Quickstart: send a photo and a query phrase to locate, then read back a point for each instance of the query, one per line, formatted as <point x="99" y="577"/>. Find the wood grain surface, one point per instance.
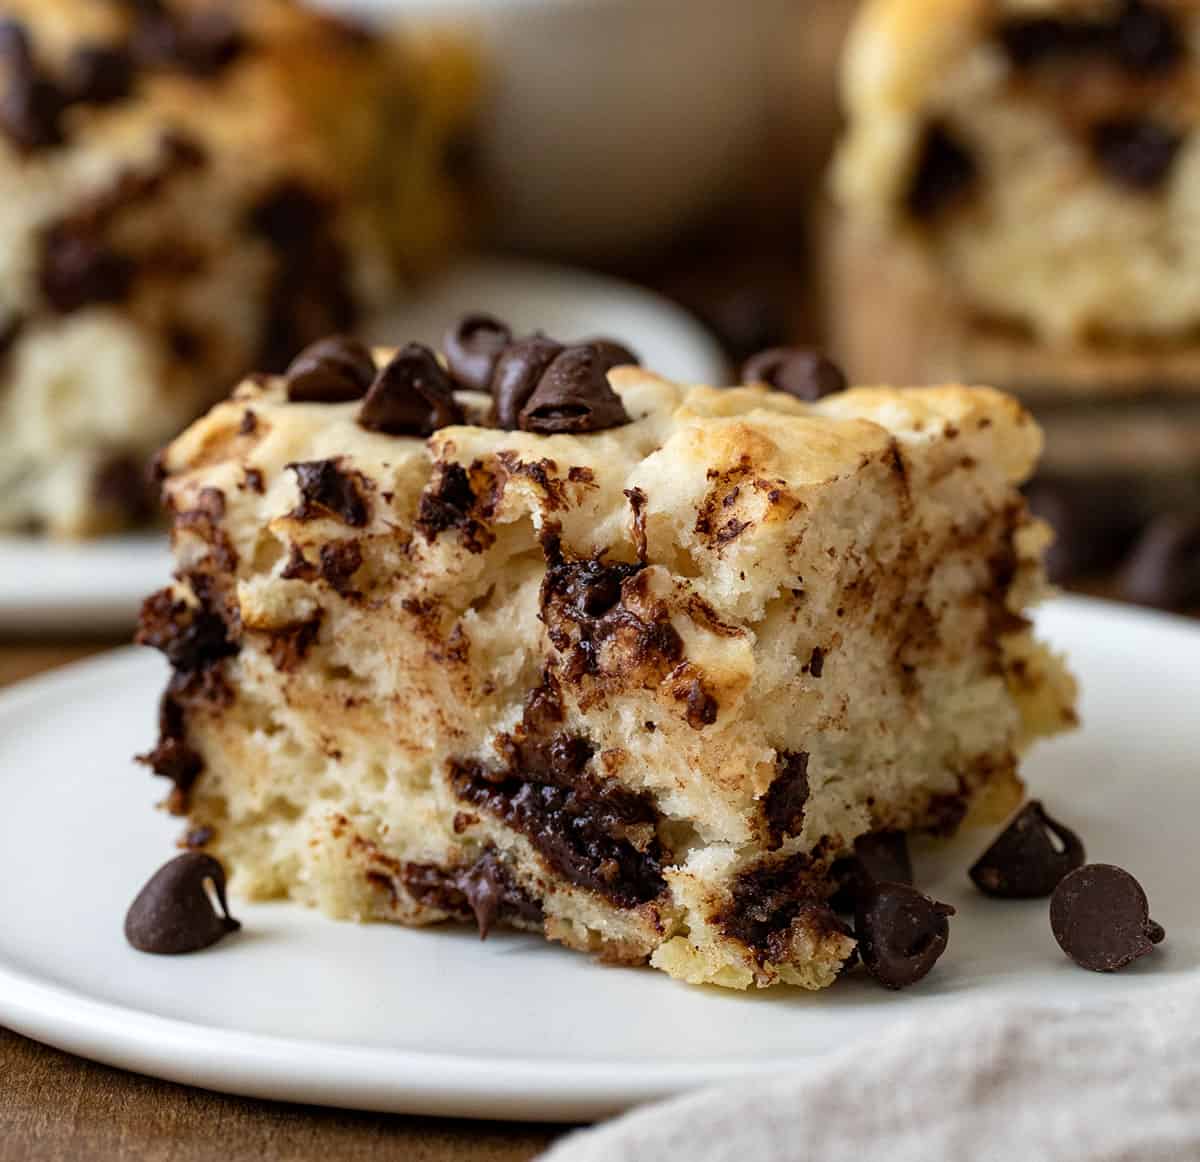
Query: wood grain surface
<point x="59" y="1108"/>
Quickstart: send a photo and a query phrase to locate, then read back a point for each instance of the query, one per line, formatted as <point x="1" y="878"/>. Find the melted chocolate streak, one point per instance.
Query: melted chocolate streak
<point x="582" y="609"/>
<point x="577" y="822"/>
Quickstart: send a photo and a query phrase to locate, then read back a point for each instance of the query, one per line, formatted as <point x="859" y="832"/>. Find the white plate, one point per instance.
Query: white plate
<point x="303" y="1009"/>
<point x="98" y="585"/>
<point x="568" y="304"/>
<point x="94" y="586"/>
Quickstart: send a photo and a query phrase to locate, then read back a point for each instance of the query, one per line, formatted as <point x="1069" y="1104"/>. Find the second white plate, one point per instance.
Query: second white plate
<point x="97" y="586"/>
<point x="303" y="1009"/>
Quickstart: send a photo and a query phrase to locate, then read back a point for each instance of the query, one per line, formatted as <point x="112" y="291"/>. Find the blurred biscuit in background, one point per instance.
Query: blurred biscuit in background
<point x="190" y="191"/>
<point x="1016" y="199"/>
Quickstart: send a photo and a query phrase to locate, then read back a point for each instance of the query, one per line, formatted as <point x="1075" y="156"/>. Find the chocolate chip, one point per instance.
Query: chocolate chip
<point x="574" y="396"/>
<point x="701" y="707"/>
<point x="787" y="797"/>
<point x="807" y="375"/>
<point x="172" y="914"/>
<point x="1164" y="568"/>
<point x="518" y="370"/>
<point x="335" y="370"/>
<point x="325" y="490"/>
<point x="882" y="856"/>
<point x="879" y="857"/>
<point x="31" y="106"/>
<point x="203" y="42"/>
<point x="79" y="269"/>
<point x="1135" y="151"/>
<point x="340" y="560"/>
<point x="192" y="637"/>
<point x="98" y="74"/>
<point x="1147" y="39"/>
<point x="1025" y="862"/>
<point x="473" y="347"/>
<point x="945" y="174"/>
<point x="1101" y="918"/>
<point x="1140" y="38"/>
<point x="411" y="396"/>
<point x="612" y="353"/>
<point x="447" y="502"/>
<point x="901" y="933"/>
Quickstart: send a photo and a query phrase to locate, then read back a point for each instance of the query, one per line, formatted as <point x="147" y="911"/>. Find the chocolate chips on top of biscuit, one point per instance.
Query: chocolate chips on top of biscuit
<point x="473" y="347"/>
<point x="612" y="352"/>
<point x="411" y="396"/>
<point x="517" y="373"/>
<point x="1101" y="918"/>
<point x="901" y="933"/>
<point x="1029" y="858"/>
<point x="335" y="370"/>
<point x="172" y="914"/>
<point x="879" y="857"/>
<point x="574" y="395"/>
<point x="807" y="375"/>
<point x="570" y="382"/>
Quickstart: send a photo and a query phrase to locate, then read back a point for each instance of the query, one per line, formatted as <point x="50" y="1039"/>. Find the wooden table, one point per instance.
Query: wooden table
<point x="57" y="1107"/>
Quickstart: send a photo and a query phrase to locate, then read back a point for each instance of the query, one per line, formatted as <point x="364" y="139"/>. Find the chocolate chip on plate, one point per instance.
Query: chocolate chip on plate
<point x="883" y="855"/>
<point x="473" y="347"/>
<point x="807" y="375"/>
<point x="335" y="370"/>
<point x="1136" y="151"/>
<point x="173" y="914"/>
<point x="518" y="370"/>
<point x="901" y="933"/>
<point x="574" y="396"/>
<point x="326" y="489"/>
<point x="1164" y="567"/>
<point x="1101" y="918"/>
<point x="880" y="856"/>
<point x="411" y="396"/>
<point x="1029" y="857"/>
<point x="612" y="352"/>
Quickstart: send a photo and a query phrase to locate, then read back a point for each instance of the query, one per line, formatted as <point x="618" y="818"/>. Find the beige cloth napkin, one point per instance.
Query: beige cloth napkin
<point x="983" y="1084"/>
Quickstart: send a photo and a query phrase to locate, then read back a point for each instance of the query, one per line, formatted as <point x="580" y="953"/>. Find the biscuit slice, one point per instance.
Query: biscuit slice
<point x="637" y="686"/>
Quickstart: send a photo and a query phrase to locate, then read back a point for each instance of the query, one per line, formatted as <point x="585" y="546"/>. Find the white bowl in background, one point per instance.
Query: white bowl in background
<point x="609" y="124"/>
